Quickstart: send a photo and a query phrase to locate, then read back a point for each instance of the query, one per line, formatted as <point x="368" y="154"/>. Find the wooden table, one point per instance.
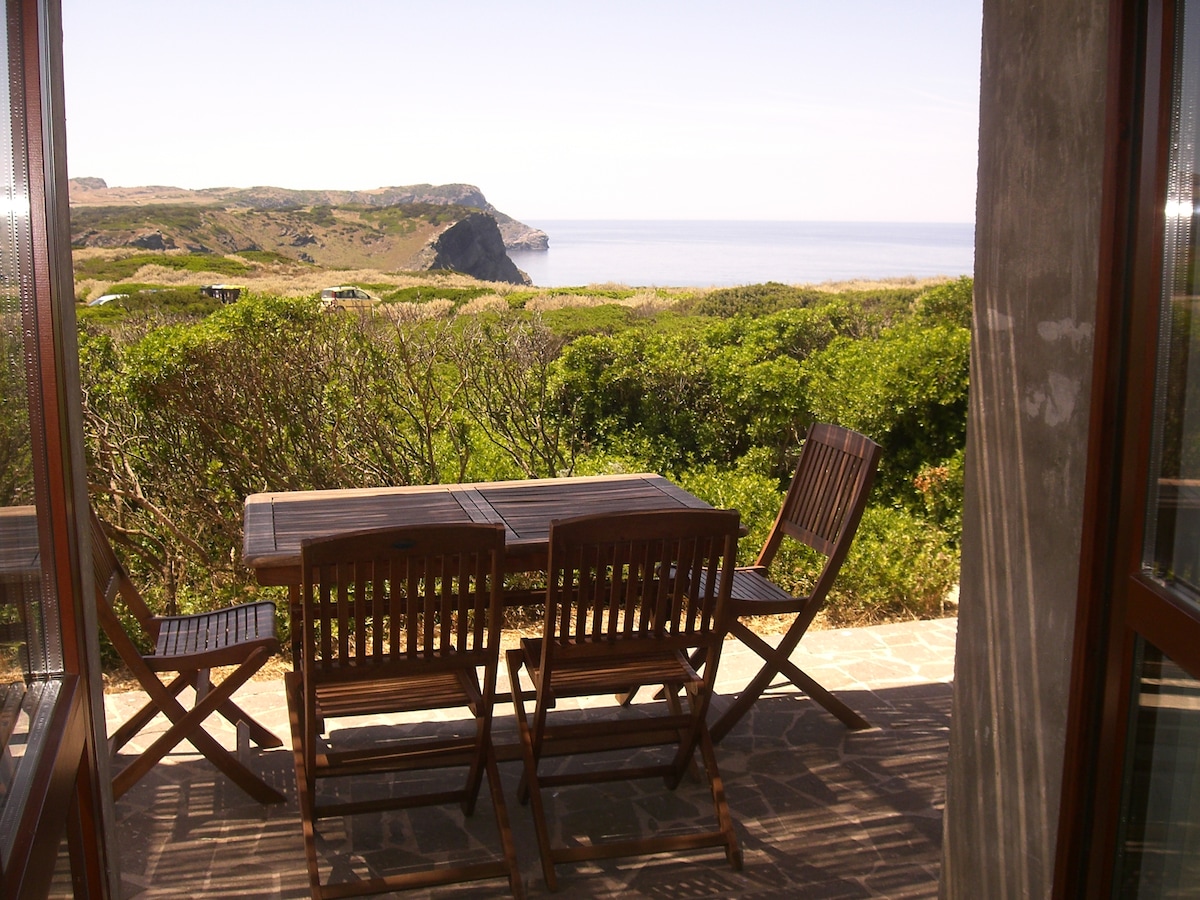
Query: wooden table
<point x="276" y="523"/>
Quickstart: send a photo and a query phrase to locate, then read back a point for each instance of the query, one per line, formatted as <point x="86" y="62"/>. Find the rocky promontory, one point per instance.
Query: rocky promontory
<point x="412" y="228"/>
<point x="473" y="245"/>
<point x="517" y="235"/>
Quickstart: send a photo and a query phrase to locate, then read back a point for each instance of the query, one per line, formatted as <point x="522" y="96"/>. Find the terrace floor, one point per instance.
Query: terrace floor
<point x="821" y="812"/>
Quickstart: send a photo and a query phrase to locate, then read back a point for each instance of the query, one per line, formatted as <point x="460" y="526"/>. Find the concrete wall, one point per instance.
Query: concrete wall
<point x="1040" y="159"/>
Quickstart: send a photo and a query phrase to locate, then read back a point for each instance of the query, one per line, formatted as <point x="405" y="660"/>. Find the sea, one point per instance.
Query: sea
<point x="645" y="253"/>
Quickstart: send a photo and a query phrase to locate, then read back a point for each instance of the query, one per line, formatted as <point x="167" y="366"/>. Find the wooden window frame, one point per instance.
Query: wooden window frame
<point x="1116" y="603"/>
<point x="66" y="792"/>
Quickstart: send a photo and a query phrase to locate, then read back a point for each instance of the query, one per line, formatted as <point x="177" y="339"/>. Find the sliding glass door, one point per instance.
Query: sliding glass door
<point x="51" y="780"/>
<point x="1130" y="824"/>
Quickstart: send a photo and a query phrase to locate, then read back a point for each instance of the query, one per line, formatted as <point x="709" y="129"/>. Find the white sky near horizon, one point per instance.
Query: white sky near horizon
<point x="624" y="109"/>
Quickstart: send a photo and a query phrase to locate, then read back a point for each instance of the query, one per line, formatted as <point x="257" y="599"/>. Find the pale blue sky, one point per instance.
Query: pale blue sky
<point x="748" y="109"/>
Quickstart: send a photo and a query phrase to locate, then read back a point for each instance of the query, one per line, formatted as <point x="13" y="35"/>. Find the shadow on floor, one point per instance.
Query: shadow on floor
<point x="821" y="813"/>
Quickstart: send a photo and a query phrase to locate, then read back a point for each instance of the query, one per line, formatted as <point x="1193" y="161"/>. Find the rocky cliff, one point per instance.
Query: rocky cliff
<point x="389" y="229"/>
<point x="517" y="235"/>
<point x="473" y="245"/>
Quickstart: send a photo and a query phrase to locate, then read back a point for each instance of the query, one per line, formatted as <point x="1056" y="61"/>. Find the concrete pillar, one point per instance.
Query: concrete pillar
<point x="1041" y="151"/>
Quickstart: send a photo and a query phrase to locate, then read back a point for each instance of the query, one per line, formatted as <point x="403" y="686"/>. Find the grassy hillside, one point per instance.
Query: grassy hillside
<point x="385" y="238"/>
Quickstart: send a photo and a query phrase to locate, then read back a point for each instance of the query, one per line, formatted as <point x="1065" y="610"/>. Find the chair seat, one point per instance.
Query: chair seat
<point x="398" y="620"/>
<point x="240" y="639"/>
<point x="628" y="601"/>
<point x="821" y="511"/>
<point x="610" y="673"/>
<point x="218" y="638"/>
<point x="395" y="695"/>
<point x="755" y="595"/>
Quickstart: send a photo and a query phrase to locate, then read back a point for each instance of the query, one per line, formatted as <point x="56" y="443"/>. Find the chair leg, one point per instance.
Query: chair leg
<point x="478" y="764"/>
<point x="131" y="727"/>
<point x="685" y="758"/>
<point x="733" y="852"/>
<point x="529" y="782"/>
<point x="776" y="659"/>
<point x="840" y="710"/>
<point x="140" y="719"/>
<point x="259" y="734"/>
<point x="304" y="783"/>
<point x="188" y="724"/>
<point x="507" y="844"/>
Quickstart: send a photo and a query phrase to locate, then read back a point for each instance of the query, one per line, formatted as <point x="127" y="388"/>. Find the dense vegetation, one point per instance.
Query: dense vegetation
<point x="189" y="411"/>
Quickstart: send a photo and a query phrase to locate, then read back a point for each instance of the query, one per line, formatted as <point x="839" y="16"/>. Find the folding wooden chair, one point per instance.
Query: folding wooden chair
<point x="822" y="509"/>
<point x="629" y="596"/>
<point x="189" y="647"/>
<point x="398" y="620"/>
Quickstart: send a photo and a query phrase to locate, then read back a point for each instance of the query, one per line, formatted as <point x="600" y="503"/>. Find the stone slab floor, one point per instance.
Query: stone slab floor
<point x="821" y="812"/>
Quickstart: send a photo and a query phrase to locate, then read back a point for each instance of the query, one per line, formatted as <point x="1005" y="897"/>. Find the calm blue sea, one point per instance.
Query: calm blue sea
<point x="704" y="254"/>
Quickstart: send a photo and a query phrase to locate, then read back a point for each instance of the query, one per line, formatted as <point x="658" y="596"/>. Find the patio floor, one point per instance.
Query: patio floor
<point x="821" y="812"/>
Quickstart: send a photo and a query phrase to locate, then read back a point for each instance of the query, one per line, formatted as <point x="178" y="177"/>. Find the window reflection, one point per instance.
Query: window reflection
<point x="1161" y="819"/>
<point x="1172" y="547"/>
<point x="22" y="596"/>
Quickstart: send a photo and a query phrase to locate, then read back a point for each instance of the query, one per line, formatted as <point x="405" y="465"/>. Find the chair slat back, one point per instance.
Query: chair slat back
<point x="621" y="578"/>
<point x="400" y="598"/>
<point x="111" y="581"/>
<point x="827" y="496"/>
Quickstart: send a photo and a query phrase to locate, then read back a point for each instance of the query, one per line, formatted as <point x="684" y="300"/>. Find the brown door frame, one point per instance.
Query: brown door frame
<point x="1115" y="603"/>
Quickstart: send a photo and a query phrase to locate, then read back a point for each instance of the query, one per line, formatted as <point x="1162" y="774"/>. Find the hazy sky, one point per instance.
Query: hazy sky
<point x="556" y="109"/>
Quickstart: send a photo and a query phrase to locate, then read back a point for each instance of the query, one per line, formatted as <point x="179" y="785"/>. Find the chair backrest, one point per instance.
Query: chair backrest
<point x="826" y="498"/>
<point x="395" y="600"/>
<point x="619" y="579"/>
<point x="112" y="581"/>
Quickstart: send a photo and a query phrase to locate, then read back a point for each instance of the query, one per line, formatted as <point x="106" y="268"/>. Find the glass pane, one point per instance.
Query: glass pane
<point x="1159" y="849"/>
<point x="30" y="647"/>
<point x="1172" y="544"/>
<point x="19" y="566"/>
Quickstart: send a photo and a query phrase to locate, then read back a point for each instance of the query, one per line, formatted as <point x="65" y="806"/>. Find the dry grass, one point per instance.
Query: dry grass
<point x="417" y="312"/>
<point x="865" y="284"/>
<point x="645" y="301"/>
<point x="298" y="280"/>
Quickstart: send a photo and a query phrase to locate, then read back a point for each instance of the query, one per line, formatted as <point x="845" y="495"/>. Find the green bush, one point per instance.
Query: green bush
<point x="126" y="266"/>
<point x="426" y="292"/>
<point x="905" y="389"/>
<point x="900" y="565"/>
<point x="948" y="303"/>
<point x="183" y="421"/>
<point x="571" y="322"/>
<point x="147" y="303"/>
<point x="266" y="257"/>
<point x="755" y="300"/>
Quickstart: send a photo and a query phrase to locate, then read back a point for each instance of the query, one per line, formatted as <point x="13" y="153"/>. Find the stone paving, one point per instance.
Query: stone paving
<point x="821" y="812"/>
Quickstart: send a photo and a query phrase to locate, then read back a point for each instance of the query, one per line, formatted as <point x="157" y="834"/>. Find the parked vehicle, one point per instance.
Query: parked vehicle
<point x="347" y="297"/>
<point x="226" y="293"/>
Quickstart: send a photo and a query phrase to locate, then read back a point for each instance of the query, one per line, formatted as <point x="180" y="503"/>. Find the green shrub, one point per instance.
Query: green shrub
<point x="571" y="322"/>
<point x="756" y="496"/>
<point x="266" y="257"/>
<point x="426" y="292"/>
<point x="899" y="567"/>
<point x="755" y="300"/>
<point x="905" y="389"/>
<point x="127" y="266"/>
<point x="150" y="302"/>
<point x="948" y="303"/>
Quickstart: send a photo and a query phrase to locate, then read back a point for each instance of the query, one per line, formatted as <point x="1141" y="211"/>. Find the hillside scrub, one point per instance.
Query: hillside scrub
<point x="187" y="416"/>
